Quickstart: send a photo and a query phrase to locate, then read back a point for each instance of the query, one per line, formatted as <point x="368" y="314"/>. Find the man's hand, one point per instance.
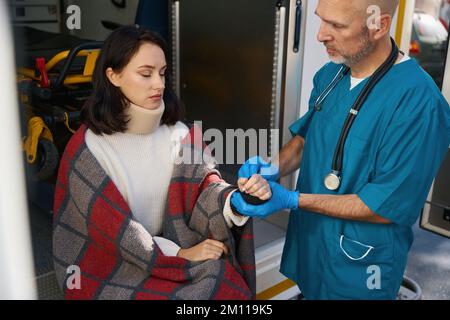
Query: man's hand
<point x="281" y="199"/>
<point x="257" y="165"/>
<point x="208" y="249"/>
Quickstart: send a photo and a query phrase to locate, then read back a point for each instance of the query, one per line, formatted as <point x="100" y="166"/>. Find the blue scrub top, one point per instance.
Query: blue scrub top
<point x="392" y="154"/>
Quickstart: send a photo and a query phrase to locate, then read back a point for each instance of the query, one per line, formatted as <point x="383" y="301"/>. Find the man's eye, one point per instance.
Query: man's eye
<point x="337" y="26"/>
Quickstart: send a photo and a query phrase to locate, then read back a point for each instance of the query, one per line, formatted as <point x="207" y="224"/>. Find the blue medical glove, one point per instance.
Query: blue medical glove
<point x="257" y="165"/>
<point x="281" y="199"/>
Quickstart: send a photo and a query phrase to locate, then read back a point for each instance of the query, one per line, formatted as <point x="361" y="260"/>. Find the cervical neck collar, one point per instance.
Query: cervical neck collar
<point x="143" y="121"/>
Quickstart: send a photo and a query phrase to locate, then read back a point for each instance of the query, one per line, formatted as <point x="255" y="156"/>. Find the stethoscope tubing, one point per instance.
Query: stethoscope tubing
<point x="341" y="73"/>
<point x="338" y="156"/>
<point x="351" y="117"/>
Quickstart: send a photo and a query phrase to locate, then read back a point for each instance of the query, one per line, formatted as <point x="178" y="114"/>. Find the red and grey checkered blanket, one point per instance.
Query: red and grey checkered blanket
<point x="95" y="231"/>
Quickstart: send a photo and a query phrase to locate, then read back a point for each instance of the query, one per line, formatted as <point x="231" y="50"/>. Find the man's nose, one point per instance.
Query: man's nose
<point x="323" y="35"/>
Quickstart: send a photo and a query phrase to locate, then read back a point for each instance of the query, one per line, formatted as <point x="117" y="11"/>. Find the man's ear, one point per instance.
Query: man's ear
<point x="383" y="26"/>
<point x="113" y="77"/>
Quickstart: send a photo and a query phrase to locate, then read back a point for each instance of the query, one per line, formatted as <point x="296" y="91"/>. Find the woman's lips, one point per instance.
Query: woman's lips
<point x="156" y="97"/>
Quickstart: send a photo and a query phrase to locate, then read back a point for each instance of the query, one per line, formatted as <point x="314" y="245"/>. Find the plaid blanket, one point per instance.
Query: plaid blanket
<point x="95" y="230"/>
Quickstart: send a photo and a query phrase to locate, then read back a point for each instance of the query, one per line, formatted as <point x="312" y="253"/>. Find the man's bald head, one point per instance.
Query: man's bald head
<point x="386" y="6"/>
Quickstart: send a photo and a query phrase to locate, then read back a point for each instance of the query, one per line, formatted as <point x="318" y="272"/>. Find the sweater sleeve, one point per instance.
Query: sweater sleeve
<point x="230" y="217"/>
<point x="168" y="247"/>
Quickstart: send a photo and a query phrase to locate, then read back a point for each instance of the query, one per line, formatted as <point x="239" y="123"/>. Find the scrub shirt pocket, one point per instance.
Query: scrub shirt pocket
<point x="357" y="270"/>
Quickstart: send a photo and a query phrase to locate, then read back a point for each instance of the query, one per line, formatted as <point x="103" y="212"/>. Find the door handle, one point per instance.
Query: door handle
<point x="298" y="25"/>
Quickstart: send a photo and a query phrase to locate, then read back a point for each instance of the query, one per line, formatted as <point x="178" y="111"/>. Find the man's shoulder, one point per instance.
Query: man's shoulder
<point x="412" y="77"/>
<point x="417" y="93"/>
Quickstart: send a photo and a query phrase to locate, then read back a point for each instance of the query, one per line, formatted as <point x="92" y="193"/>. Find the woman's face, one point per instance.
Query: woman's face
<point x="142" y="80"/>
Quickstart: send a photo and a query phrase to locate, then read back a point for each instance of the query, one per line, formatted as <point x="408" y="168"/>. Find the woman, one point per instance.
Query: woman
<point x="137" y="224"/>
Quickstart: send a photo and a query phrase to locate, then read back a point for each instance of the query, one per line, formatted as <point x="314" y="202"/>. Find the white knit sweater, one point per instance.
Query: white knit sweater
<point x="141" y="167"/>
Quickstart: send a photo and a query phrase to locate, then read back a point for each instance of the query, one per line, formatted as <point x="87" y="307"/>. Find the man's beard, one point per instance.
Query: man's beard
<point x="366" y="47"/>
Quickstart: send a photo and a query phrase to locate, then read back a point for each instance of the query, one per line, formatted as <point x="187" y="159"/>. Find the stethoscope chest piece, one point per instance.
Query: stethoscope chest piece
<point x="332" y="181"/>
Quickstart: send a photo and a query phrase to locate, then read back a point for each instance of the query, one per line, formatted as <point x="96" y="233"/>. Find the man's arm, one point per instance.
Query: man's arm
<point x="290" y="156"/>
<point x="349" y="207"/>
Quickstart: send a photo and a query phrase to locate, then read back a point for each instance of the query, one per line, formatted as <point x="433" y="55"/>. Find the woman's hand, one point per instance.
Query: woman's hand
<point x="256" y="186"/>
<point x="282" y="198"/>
<point x="206" y="250"/>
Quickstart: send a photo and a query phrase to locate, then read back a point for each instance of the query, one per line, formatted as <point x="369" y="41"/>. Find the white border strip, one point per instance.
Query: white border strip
<point x="16" y="262"/>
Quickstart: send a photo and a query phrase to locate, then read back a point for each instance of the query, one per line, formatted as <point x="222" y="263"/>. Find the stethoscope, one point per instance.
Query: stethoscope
<point x="333" y="180"/>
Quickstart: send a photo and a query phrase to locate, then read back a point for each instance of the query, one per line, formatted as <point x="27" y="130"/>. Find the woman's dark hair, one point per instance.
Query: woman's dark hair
<point x="104" y="111"/>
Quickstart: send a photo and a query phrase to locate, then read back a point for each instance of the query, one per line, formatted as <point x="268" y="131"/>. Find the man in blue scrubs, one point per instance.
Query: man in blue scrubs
<point x="353" y="242"/>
